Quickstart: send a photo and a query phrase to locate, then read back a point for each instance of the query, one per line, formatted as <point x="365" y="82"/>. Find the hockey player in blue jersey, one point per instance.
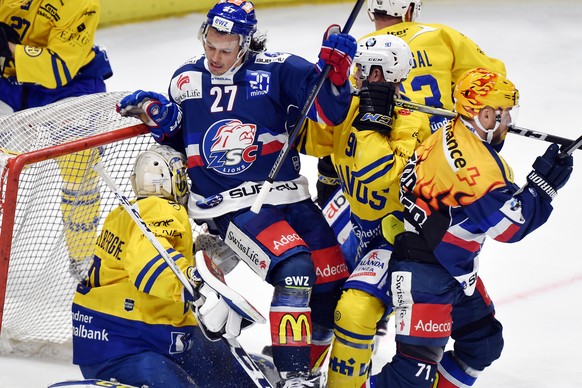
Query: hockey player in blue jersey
<point x="231" y="110"/>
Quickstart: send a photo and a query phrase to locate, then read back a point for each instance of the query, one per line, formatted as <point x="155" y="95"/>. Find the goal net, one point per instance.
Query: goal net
<point x="52" y="206"/>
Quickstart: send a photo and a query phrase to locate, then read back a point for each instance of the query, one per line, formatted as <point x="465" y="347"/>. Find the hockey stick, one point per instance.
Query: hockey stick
<point x="565" y="142"/>
<point x="136" y="217"/>
<point x="235" y="348"/>
<point x="266" y="187"/>
<point x="424" y="108"/>
<point x="567" y="150"/>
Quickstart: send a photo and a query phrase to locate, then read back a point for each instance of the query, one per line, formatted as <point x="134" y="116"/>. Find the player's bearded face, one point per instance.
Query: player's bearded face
<point x="506" y="117"/>
<point x="221" y="50"/>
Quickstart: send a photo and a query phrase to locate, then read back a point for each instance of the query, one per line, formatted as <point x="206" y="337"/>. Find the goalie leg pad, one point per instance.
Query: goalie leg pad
<point x="142" y="369"/>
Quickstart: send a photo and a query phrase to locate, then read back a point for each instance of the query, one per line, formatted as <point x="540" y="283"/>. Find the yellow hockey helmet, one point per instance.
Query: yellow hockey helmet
<point x="478" y="88"/>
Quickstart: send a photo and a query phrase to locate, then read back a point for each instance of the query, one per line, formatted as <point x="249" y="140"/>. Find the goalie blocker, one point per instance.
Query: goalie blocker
<point x="223" y="312"/>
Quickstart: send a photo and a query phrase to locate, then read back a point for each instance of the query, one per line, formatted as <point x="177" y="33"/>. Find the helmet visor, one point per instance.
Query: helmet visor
<point x="507" y="116"/>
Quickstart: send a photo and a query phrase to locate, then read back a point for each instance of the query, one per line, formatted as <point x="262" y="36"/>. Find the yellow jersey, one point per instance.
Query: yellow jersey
<point x="132" y="300"/>
<point x="57" y="39"/>
<point x="441" y="55"/>
<point x="369" y="165"/>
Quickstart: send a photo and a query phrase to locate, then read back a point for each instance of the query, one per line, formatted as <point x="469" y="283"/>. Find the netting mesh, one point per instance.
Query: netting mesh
<point x="60" y="207"/>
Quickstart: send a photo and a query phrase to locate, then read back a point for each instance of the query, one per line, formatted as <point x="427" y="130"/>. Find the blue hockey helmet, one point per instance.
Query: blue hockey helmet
<point x="232" y="17"/>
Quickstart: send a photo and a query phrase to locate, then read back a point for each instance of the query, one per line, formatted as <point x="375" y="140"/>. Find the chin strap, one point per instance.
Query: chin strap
<point x="489" y="132"/>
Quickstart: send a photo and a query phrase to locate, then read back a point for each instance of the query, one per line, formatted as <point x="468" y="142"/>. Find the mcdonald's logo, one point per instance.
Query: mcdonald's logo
<point x="295" y="330"/>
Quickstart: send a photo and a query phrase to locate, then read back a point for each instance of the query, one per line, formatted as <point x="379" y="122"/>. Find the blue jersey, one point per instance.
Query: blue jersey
<point x="235" y="125"/>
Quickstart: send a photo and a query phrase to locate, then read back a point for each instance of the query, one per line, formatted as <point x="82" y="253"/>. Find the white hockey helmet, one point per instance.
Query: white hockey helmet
<point x="389" y="52"/>
<point x="161" y="172"/>
<point x="396" y="8"/>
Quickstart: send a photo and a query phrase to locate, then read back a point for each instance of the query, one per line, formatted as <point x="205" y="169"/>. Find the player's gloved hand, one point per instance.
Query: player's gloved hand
<point x="154" y="109"/>
<point x="327" y="181"/>
<point x="337" y="50"/>
<point x="550" y="172"/>
<point x="215" y="317"/>
<point x="10" y="33"/>
<point x="7" y="35"/>
<point x="376" y="107"/>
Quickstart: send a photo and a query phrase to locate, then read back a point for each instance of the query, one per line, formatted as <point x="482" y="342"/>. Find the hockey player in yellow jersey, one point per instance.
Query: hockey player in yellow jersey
<point x="131" y="318"/>
<point x="441" y="54"/>
<point x="47" y="53"/>
<point x="457" y="191"/>
<point x="369" y="151"/>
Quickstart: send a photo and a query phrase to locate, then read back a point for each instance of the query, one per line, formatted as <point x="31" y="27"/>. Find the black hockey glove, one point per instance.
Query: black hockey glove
<point x="5" y="53"/>
<point x="7" y="34"/>
<point x="376" y="107"/>
<point x="550" y="172"/>
<point x="327" y="181"/>
<point x="10" y="33"/>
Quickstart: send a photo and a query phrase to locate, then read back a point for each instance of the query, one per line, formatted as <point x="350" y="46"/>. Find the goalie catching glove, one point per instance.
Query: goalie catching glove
<point x="155" y="110"/>
<point x="220" y="311"/>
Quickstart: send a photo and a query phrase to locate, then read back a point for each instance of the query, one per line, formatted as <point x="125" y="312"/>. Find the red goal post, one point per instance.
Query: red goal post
<point x="52" y="205"/>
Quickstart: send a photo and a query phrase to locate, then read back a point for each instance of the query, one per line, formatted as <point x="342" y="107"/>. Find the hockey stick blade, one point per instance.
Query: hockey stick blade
<point x="248" y="364"/>
<point x="253" y="370"/>
<point x="295" y="128"/>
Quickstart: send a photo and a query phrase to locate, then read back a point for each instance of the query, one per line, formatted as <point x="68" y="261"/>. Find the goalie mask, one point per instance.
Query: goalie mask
<point x="395" y="8"/>
<point x="160" y="172"/>
<point x="232" y="17"/>
<point x="389" y="52"/>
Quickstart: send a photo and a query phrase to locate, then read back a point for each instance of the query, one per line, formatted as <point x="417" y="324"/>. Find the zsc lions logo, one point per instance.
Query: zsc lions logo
<point x="229" y="146"/>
